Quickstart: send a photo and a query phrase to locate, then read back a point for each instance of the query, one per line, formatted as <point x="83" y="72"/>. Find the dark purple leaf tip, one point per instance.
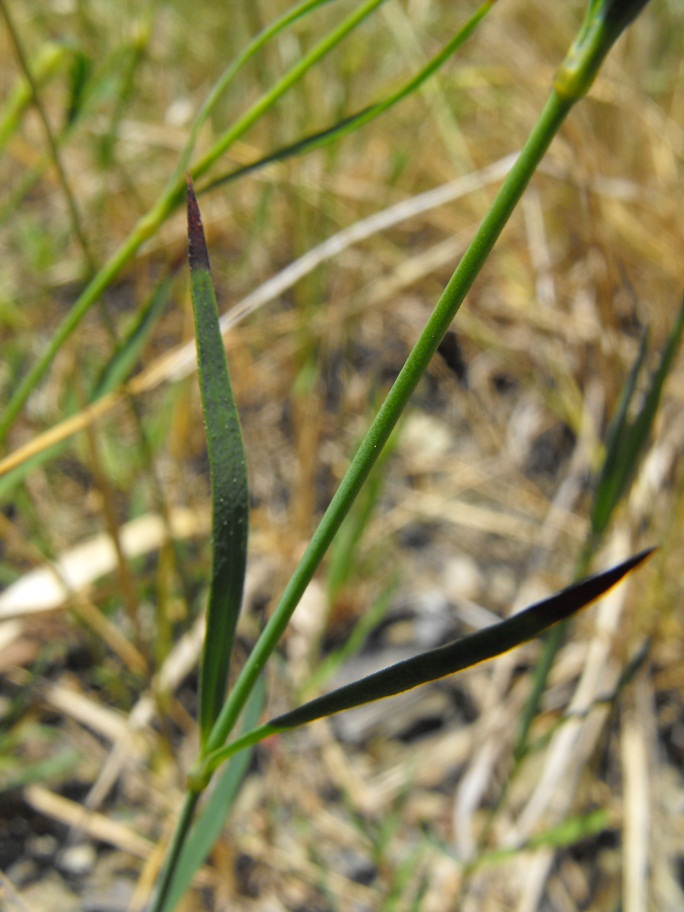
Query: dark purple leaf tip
<point x="197" y="245"/>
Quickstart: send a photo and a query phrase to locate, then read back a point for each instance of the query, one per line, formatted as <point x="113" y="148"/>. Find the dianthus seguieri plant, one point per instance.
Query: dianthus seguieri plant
<point x="604" y="21"/>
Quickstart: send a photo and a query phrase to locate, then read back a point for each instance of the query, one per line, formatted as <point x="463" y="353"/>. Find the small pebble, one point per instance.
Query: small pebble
<point x="77" y="859"/>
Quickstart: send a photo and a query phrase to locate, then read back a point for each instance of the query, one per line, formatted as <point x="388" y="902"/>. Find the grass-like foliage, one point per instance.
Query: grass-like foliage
<point x="230" y="505"/>
<point x="228" y="467"/>
<point x="237" y="718"/>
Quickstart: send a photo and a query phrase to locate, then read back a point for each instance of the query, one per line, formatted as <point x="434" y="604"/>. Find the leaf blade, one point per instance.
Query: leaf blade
<point x="434" y="663"/>
<point x="464" y="653"/>
<point x="228" y="473"/>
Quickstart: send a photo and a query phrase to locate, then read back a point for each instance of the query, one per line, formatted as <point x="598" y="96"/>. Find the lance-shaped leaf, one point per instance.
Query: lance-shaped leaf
<point x="433" y="664"/>
<point x="228" y="471"/>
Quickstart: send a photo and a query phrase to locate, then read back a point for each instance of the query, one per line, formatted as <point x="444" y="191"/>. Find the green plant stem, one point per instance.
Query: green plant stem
<point x="51" y="141"/>
<point x="174" y="192"/>
<point x="550" y="120"/>
<point x="144" y="229"/>
<point x="295" y="74"/>
<point x="179" y="837"/>
<point x="355" y="121"/>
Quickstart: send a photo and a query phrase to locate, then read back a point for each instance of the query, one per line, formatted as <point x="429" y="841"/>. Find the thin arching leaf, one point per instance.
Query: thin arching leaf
<point x="116" y="372"/>
<point x="435" y="663"/>
<point x="464" y="653"/>
<point x="357" y="120"/>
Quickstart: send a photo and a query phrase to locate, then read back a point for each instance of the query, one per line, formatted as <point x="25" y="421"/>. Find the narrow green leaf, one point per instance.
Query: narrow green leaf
<point x="117" y="372"/>
<point x="212" y="818"/>
<point x="435" y="663"/>
<point x="121" y="365"/>
<point x="354" y="121"/>
<point x="47" y="62"/>
<point x="228" y="471"/>
<point x="471" y="650"/>
<point x="611" y="478"/>
<point x="643" y="423"/>
<point x="627" y="439"/>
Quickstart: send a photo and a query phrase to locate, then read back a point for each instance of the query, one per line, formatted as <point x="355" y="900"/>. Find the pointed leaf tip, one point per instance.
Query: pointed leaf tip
<point x="197" y="245"/>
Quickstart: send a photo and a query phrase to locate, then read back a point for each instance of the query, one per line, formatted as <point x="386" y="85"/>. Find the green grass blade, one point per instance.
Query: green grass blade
<point x="172" y="195"/>
<point x="354" y="121"/>
<point x="48" y="61"/>
<point x="228" y="470"/>
<point x="283" y="85"/>
<point x="121" y="366"/>
<point x="627" y="439"/>
<point x="212" y="818"/>
<point x="642" y="425"/>
<point x="610" y="479"/>
<point x="436" y="663"/>
<point x="471" y="650"/>
<point x="116" y="373"/>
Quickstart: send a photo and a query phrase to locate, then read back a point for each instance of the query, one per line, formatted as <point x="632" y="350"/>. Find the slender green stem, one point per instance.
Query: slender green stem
<point x="355" y="121"/>
<point x="283" y="85"/>
<point x="550" y="120"/>
<point x="173" y="193"/>
<point x="299" y="10"/>
<point x="51" y="141"/>
<point x="179" y="837"/>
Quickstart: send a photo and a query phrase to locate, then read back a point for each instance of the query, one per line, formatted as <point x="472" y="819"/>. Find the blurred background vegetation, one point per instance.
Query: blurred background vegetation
<point x="481" y="507"/>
